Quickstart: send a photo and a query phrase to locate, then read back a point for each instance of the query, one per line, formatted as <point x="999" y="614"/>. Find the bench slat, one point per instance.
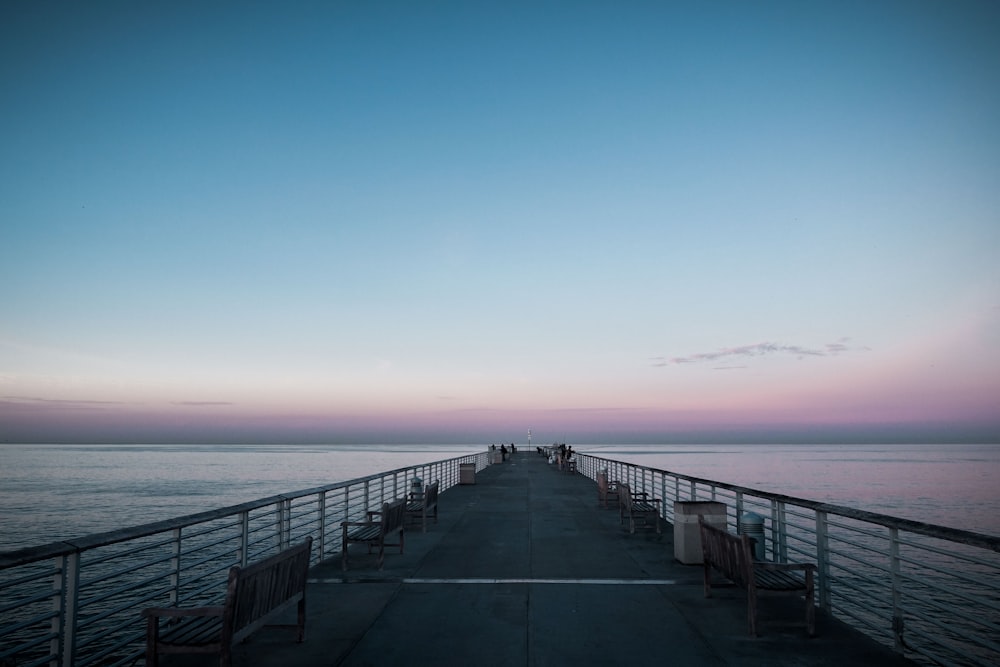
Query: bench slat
<point x="778" y="580"/>
<point x="193" y="632"/>
<point x="364" y="533"/>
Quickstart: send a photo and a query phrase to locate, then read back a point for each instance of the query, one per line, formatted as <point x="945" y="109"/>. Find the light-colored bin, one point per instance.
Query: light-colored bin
<point x="466" y="473"/>
<point x="687" y="536"/>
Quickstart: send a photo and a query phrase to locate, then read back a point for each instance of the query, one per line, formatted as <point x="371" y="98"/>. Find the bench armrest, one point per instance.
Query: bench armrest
<point x="172" y="612"/>
<point x="345" y="524"/>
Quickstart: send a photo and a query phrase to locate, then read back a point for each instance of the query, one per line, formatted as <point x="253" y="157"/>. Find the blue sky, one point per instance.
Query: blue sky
<point x="457" y="221"/>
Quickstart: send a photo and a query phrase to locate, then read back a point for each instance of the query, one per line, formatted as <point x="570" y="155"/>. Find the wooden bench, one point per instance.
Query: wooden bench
<point x="632" y="506"/>
<point x="255" y="594"/>
<point x="606" y="491"/>
<point x="374" y="532"/>
<point x="420" y="508"/>
<point x="732" y="555"/>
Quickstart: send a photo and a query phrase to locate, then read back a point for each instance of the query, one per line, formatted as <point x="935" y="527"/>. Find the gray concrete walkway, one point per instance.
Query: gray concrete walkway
<point x="524" y="568"/>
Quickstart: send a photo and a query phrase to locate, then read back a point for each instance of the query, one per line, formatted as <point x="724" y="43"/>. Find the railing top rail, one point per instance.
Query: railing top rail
<point x="968" y="537"/>
<point x="17" y="557"/>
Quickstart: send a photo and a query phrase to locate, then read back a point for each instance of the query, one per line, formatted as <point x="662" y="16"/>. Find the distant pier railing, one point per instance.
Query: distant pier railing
<point x="76" y="603"/>
<point x="931" y="592"/>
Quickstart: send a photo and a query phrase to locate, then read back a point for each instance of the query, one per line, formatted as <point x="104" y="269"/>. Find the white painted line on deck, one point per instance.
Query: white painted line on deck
<point x="493" y="582"/>
<point x="588" y="582"/>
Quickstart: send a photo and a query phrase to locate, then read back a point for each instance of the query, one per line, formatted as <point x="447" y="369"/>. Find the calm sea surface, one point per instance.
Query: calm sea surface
<point x="52" y="492"/>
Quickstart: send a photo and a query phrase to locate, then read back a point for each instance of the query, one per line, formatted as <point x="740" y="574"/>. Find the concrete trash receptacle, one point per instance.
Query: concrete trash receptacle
<point x="752" y="525"/>
<point x="466" y="473"/>
<point x="687" y="537"/>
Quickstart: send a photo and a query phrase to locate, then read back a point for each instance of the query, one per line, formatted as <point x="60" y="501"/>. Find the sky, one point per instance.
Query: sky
<point x="458" y="221"/>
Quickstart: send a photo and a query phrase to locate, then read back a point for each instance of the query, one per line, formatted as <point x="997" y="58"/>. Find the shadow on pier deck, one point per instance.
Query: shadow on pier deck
<point x="524" y="568"/>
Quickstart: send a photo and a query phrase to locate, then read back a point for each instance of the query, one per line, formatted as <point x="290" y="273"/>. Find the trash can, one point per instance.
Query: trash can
<point x="752" y="525"/>
<point x="687" y="536"/>
<point x="466" y="473"/>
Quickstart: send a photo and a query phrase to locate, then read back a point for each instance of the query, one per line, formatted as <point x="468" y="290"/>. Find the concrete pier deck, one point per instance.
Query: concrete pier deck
<point x="525" y="568"/>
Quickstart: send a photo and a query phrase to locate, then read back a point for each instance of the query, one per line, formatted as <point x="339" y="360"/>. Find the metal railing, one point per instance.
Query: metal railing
<point x="930" y="592"/>
<point x="77" y="602"/>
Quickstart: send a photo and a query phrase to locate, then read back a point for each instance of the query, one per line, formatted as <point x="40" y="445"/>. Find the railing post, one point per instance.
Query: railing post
<point x="896" y="578"/>
<point x="243" y="556"/>
<point x="663" y="499"/>
<point x="175" y="567"/>
<point x="70" y="601"/>
<point x="65" y="584"/>
<point x="281" y="522"/>
<point x="321" y="547"/>
<point x="823" y="560"/>
<point x="779" y="532"/>
<point x="59" y="611"/>
<point x="347" y="503"/>
<point x="739" y="512"/>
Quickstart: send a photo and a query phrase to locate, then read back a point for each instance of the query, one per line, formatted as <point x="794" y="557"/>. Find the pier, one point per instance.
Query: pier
<point x="525" y="568"/>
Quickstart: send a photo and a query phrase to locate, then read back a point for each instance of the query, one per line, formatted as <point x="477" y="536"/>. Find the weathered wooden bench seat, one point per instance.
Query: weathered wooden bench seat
<point x="424" y="506"/>
<point x="633" y="506"/>
<point x="732" y="555"/>
<point x="255" y="594"/>
<point x="374" y="532"/>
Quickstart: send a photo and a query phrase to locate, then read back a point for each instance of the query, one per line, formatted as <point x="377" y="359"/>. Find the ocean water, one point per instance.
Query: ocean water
<point x="54" y="492"/>
<point x="950" y="485"/>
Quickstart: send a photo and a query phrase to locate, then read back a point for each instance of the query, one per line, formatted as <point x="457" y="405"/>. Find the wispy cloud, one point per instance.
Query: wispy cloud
<point x="201" y="404"/>
<point x="58" y="401"/>
<point x="757" y="350"/>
